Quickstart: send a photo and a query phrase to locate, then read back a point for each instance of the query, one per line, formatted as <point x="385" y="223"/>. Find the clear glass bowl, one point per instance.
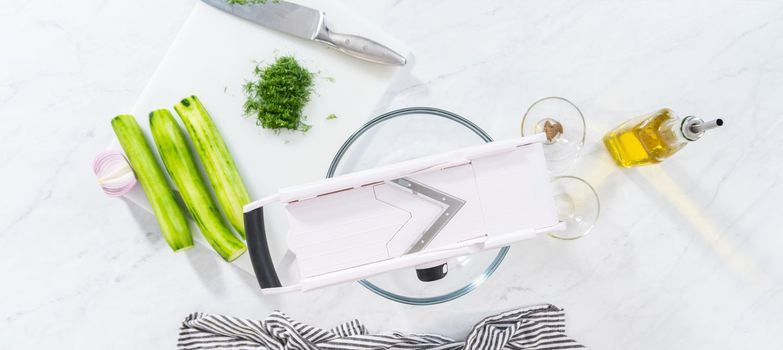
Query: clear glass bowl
<point x="401" y="135"/>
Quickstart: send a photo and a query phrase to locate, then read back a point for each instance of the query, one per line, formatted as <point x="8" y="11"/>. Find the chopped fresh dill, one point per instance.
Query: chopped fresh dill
<point x="278" y="94"/>
<point x="331" y="117"/>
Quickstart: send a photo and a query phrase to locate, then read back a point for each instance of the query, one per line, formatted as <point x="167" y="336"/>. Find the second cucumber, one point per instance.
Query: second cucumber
<point x="181" y="166"/>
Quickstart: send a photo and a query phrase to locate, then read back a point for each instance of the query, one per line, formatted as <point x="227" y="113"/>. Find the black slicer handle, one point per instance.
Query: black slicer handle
<point x="258" y="248"/>
<point x="434" y="273"/>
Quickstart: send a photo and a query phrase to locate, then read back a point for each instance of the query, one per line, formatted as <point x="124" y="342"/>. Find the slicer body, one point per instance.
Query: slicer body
<point x="416" y="212"/>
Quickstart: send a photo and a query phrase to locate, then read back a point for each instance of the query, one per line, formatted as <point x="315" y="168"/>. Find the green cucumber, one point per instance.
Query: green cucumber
<point x="220" y="167"/>
<point x="182" y="168"/>
<point x="171" y="219"/>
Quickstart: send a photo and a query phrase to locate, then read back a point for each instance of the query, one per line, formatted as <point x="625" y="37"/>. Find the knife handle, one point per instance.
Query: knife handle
<point x="360" y="47"/>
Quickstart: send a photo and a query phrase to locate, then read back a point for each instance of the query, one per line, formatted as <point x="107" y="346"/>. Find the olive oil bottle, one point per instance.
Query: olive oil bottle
<point x="651" y="138"/>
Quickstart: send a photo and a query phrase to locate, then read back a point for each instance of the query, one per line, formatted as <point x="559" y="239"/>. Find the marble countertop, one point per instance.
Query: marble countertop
<point x="686" y="254"/>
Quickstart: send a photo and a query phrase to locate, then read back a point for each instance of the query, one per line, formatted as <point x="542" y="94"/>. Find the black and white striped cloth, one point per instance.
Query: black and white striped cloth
<point x="538" y="327"/>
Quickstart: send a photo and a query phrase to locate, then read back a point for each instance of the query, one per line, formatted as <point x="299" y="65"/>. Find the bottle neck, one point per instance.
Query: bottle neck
<point x="671" y="133"/>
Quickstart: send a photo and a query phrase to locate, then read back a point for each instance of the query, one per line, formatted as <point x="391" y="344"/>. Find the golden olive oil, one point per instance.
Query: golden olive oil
<point x="651" y="138"/>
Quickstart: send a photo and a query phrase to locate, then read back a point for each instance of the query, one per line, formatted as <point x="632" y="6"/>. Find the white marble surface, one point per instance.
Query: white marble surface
<point x="686" y="254"/>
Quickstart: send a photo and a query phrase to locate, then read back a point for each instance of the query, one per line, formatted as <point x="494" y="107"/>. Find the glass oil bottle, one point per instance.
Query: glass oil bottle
<point x="651" y="138"/>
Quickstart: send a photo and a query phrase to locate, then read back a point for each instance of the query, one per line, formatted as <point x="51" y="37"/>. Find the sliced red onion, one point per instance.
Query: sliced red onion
<point x="114" y="173"/>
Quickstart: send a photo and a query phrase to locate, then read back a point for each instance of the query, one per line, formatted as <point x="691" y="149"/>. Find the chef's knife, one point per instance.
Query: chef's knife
<point x="309" y="24"/>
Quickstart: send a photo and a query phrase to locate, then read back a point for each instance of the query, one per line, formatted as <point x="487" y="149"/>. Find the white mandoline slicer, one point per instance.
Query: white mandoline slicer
<point x="415" y="213"/>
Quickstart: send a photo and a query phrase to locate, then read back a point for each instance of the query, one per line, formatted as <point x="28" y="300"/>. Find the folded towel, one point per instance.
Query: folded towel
<point x="538" y="327"/>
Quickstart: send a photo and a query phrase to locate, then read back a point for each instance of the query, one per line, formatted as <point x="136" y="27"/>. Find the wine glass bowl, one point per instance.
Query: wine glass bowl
<point x="577" y="206"/>
<point x="564" y="126"/>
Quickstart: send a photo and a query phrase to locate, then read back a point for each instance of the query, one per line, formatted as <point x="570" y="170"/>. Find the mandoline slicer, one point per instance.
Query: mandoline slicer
<point x="415" y="213"/>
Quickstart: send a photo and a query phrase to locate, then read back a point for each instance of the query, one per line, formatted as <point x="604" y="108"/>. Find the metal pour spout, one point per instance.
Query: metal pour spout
<point x="704" y="126"/>
<point x="693" y="128"/>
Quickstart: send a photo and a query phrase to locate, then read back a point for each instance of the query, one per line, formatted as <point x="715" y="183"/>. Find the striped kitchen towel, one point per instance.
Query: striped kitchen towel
<point x="538" y="327"/>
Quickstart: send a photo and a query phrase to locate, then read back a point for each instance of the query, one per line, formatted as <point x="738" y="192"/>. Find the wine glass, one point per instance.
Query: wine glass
<point x="577" y="206"/>
<point x="564" y="126"/>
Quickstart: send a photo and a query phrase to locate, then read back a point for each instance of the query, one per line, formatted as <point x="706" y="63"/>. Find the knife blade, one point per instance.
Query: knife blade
<point x="310" y="24"/>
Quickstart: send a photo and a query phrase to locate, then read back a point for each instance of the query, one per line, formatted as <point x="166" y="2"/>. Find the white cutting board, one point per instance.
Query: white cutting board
<point x="214" y="54"/>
